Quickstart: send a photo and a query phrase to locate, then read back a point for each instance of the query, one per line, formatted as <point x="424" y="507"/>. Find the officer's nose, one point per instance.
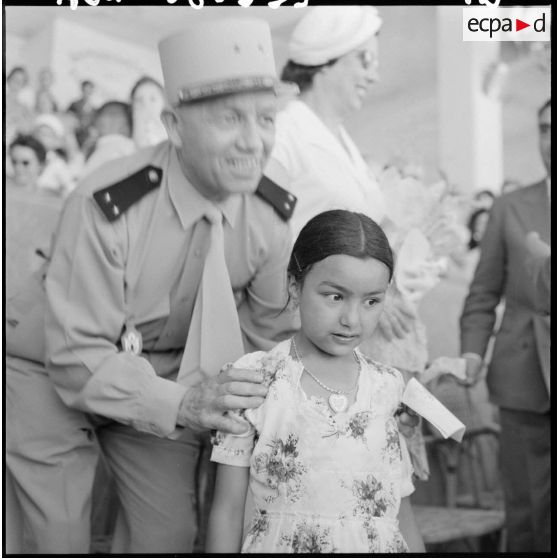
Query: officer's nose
<point x="249" y="137"/>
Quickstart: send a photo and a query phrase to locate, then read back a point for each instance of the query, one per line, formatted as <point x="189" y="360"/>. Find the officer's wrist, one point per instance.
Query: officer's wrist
<point x="183" y="414"/>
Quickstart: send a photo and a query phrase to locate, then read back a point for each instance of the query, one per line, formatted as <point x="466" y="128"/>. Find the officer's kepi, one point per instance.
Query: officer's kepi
<point x="213" y="58"/>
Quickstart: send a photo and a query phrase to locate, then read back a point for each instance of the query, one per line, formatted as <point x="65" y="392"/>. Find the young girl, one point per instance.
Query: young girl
<point x="321" y="468"/>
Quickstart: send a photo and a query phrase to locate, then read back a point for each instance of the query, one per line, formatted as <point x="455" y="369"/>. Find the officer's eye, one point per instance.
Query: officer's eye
<point x="267" y="120"/>
<point x="228" y="118"/>
<point x="333" y="297"/>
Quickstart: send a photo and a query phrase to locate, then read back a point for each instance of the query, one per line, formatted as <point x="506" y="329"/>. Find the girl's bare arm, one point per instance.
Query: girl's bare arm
<point x="226" y="519"/>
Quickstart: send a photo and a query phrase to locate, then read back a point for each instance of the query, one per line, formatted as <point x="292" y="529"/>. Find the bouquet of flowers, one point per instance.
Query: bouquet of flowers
<point x="426" y="225"/>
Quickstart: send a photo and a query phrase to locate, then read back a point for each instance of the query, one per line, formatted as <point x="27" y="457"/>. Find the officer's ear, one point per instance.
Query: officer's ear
<point x="171" y="124"/>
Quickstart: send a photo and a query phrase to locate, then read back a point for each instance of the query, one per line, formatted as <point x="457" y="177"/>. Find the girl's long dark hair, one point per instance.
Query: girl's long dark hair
<point x="338" y="232"/>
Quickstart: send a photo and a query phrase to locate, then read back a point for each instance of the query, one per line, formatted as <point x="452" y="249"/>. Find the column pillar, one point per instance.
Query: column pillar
<point x="470" y="138"/>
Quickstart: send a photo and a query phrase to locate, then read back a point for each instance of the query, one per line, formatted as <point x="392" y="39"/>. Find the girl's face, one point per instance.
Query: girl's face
<point x="340" y="302"/>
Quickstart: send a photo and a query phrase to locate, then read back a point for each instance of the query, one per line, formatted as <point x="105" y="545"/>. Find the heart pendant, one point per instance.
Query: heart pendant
<point x="338" y="402"/>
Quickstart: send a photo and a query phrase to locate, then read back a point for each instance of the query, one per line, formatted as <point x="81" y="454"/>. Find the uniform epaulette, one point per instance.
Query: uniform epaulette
<point x="116" y="199"/>
<point x="280" y="199"/>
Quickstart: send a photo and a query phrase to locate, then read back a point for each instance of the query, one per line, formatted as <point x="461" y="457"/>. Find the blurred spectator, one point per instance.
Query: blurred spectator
<point x="18" y="85"/>
<point x="484" y="199"/>
<point x="28" y="157"/>
<point x="57" y="176"/>
<point x="45" y="101"/>
<point x="477" y="225"/>
<point x="148" y="99"/>
<point x="84" y="111"/>
<point x="18" y="115"/>
<point x="113" y="127"/>
<point x="16" y="81"/>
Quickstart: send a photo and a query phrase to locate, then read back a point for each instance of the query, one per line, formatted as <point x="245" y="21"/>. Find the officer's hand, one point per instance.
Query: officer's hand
<point x="204" y="405"/>
<point x="396" y="317"/>
<point x="407" y="422"/>
<point x="473" y="369"/>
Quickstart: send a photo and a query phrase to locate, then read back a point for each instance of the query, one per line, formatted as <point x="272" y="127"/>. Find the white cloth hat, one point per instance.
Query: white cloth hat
<point x="51" y="121"/>
<point x="328" y="32"/>
<point x="218" y="57"/>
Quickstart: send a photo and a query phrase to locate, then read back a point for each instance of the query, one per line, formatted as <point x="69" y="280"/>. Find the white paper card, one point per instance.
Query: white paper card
<point x="420" y="400"/>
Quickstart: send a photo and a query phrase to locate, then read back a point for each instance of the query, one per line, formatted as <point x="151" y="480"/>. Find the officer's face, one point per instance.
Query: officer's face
<point x="224" y="143"/>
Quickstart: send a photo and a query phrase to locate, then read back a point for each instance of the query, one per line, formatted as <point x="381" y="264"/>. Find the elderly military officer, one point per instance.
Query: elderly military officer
<point x="146" y="252"/>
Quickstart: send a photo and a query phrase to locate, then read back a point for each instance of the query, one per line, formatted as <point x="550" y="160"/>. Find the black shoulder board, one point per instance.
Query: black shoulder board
<point x="116" y="199"/>
<point x="280" y="199"/>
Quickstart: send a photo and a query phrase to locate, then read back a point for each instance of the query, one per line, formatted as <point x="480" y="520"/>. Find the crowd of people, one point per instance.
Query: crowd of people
<point x="227" y="273"/>
<point x="52" y="149"/>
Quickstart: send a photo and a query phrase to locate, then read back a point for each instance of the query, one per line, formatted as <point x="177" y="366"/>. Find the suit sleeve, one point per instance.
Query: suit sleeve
<point x="264" y="320"/>
<point x="486" y="289"/>
<point x="542" y="281"/>
<point x="85" y="314"/>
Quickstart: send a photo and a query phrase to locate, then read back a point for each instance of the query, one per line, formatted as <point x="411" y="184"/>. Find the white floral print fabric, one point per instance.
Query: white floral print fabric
<point x="321" y="482"/>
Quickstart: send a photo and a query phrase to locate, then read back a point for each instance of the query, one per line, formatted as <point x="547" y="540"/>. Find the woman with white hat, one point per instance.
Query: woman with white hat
<point x="59" y="175"/>
<point x="333" y="58"/>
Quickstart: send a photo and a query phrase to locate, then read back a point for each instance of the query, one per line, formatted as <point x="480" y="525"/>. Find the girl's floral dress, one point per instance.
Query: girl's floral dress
<point x="321" y="482"/>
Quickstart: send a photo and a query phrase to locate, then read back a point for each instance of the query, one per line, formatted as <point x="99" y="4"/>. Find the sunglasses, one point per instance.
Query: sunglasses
<point x="22" y="162"/>
<point x="367" y="59"/>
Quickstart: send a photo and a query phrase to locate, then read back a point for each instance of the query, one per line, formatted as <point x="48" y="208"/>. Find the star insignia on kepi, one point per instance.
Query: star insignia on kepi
<point x="236" y="48"/>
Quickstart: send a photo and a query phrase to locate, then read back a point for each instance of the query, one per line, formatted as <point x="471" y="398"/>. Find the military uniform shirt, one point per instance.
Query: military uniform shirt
<point x="144" y="268"/>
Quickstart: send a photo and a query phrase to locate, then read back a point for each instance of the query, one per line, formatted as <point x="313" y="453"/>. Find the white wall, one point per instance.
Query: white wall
<point x="14" y="55"/>
<point x="76" y="52"/>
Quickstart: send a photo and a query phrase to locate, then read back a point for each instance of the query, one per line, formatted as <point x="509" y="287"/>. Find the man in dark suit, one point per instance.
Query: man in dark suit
<point x="538" y="262"/>
<point x="84" y="111"/>
<point x="518" y="375"/>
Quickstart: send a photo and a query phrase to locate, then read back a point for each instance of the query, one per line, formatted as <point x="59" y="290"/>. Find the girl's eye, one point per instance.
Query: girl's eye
<point x="372" y="302"/>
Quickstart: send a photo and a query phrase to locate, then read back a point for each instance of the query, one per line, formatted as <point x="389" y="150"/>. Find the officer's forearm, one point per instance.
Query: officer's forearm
<point x="124" y="387"/>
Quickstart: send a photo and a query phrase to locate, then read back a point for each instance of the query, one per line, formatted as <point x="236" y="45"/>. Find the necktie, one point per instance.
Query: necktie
<point x="214" y="336"/>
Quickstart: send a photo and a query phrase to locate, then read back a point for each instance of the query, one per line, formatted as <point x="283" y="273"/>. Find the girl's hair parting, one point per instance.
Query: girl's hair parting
<point x="338" y="232"/>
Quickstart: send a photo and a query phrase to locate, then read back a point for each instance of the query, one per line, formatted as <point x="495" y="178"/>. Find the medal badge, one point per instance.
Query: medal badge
<point x="131" y="340"/>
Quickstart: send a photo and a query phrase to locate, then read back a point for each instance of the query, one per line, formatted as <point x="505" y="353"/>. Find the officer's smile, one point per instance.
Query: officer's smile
<point x="244" y="165"/>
